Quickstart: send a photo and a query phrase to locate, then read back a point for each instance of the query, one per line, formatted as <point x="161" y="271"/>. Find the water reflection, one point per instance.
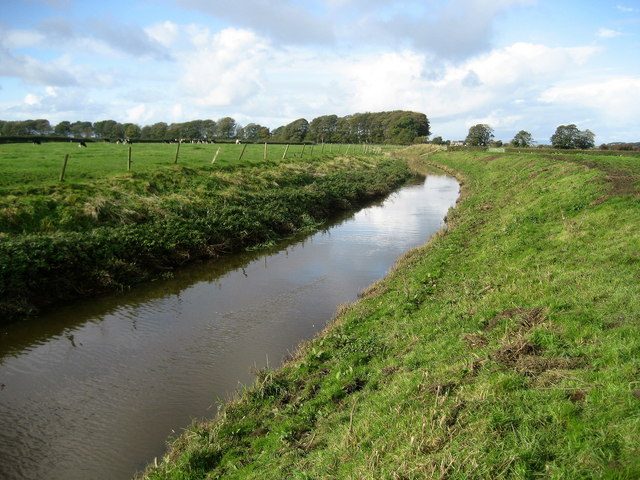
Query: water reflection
<point x="94" y="389"/>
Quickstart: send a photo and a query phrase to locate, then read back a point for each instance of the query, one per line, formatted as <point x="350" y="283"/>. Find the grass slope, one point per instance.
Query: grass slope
<point x="507" y="347"/>
<point x="61" y="240"/>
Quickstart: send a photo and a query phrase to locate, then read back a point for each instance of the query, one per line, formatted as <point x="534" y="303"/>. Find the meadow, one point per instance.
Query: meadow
<point x="506" y="347"/>
<point x="26" y="164"/>
<point x="105" y="228"/>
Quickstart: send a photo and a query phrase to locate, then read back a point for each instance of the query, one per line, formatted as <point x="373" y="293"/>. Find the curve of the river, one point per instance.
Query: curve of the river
<point x="93" y="390"/>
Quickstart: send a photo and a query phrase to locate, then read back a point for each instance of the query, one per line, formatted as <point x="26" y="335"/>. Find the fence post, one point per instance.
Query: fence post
<point x="244" y="146"/>
<point x="286" y="149"/>
<point x="302" y="154"/>
<point x="129" y="161"/>
<point x="215" y="156"/>
<point x="348" y="147"/>
<point x="265" y="151"/>
<point x="177" y="152"/>
<point x="64" y="167"/>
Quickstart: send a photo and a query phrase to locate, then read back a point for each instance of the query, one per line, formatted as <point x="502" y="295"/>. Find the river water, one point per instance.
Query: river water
<point x="93" y="390"/>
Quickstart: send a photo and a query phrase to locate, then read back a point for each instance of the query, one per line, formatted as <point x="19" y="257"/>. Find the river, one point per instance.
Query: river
<point x="94" y="389"/>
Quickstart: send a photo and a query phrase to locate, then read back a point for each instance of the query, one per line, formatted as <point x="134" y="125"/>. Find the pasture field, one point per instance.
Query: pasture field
<point x="507" y="347"/>
<point x="26" y="164"/>
<point x="104" y="228"/>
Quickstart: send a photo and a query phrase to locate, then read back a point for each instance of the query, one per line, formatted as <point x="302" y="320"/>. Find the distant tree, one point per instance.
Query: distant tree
<point x="263" y="133"/>
<point x="323" y="129"/>
<point x="40" y="127"/>
<point x="208" y="129"/>
<point x="437" y="140"/>
<point x="63" y="129"/>
<point x="226" y="128"/>
<point x="106" y="129"/>
<point x="569" y="136"/>
<point x="82" y="129"/>
<point x="251" y="132"/>
<point x="522" y="139"/>
<point x="132" y="131"/>
<point x="479" y="135"/>
<point x="585" y="140"/>
<point x="296" y="131"/>
<point x="404" y="127"/>
<point x="158" y="131"/>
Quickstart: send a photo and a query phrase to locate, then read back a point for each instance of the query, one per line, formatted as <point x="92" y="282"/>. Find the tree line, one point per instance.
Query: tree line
<point x="565" y="137"/>
<point x="394" y="127"/>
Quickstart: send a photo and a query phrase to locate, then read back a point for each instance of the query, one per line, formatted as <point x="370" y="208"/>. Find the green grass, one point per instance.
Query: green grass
<point x="25" y="164"/>
<point x="507" y="347"/>
<point x="109" y="230"/>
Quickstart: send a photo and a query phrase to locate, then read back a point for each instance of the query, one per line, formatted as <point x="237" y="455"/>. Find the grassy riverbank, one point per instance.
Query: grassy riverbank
<point x="106" y="231"/>
<point x="507" y="347"/>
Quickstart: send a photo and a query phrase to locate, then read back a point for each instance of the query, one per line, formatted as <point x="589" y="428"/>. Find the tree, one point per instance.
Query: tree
<point x="403" y="127"/>
<point x="586" y="139"/>
<point x="522" y="139"/>
<point x="226" y="128"/>
<point x="105" y="129"/>
<point x="323" y="129"/>
<point x="437" y="140"/>
<point x="296" y="131"/>
<point x="251" y="132"/>
<point x="81" y="129"/>
<point x="63" y="129"/>
<point x="569" y="136"/>
<point x="131" y="130"/>
<point x="479" y="135"/>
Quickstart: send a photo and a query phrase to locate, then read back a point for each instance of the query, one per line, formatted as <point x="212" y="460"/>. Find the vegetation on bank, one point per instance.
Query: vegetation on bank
<point x="101" y="230"/>
<point x="507" y="347"/>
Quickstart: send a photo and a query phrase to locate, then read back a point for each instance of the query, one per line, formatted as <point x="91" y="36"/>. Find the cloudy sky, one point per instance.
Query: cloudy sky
<point x="513" y="64"/>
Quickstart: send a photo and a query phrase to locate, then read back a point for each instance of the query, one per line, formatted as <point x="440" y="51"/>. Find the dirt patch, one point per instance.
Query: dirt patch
<point x="509" y="354"/>
<point x="528" y="318"/>
<point x="440" y="389"/>
<point x="388" y="371"/>
<point x="490" y="158"/>
<point x="620" y="184"/>
<point x="533" y="365"/>
<point x="475" y="340"/>
<point x="636" y="393"/>
<point x="578" y="396"/>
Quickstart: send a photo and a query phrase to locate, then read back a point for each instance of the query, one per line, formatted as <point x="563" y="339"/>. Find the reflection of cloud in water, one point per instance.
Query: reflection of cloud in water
<point x="403" y="219"/>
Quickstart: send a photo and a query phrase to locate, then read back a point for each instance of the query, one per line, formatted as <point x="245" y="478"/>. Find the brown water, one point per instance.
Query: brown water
<point x="93" y="390"/>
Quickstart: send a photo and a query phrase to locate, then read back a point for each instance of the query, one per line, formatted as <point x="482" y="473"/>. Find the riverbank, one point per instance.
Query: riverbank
<point x="69" y="240"/>
<point x="506" y="347"/>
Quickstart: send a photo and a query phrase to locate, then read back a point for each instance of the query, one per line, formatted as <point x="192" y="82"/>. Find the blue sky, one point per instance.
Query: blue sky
<point x="513" y="64"/>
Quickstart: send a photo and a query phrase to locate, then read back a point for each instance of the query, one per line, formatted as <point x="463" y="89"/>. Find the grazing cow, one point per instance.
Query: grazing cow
<point x="82" y="144"/>
<point x="36" y="142"/>
<point x="238" y="141"/>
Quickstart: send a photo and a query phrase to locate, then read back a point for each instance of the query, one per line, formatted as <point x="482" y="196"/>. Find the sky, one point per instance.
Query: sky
<point x="512" y="64"/>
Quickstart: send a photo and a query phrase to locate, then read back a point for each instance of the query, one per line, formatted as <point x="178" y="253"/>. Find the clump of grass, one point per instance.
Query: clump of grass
<point x="506" y="348"/>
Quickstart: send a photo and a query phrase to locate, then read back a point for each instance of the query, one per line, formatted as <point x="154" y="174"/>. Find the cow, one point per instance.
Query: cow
<point x="82" y="144"/>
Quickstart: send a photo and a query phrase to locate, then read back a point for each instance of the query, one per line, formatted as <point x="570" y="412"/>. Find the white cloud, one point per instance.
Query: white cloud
<point x="224" y="68"/>
<point x="608" y="33"/>
<point x="626" y="9"/>
<point x="165" y="33"/>
<point x="381" y="82"/>
<point x="615" y="99"/>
